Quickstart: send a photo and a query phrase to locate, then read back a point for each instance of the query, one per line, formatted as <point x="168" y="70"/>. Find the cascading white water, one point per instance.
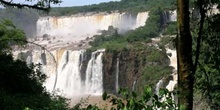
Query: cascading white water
<point x="117" y="72"/>
<point x="66" y="74"/>
<point x="63" y="67"/>
<point x="159" y="85"/>
<point x="173" y="15"/>
<point x="173" y="63"/>
<point x="88" y="25"/>
<point x="141" y="19"/>
<point x="49" y="69"/>
<point x="29" y="60"/>
<point x="94" y="77"/>
<point x="69" y="78"/>
<point x="173" y="58"/>
<point x="68" y="70"/>
<point x="134" y="84"/>
<point x="77" y="30"/>
<point x="172" y="82"/>
<point x="172" y="78"/>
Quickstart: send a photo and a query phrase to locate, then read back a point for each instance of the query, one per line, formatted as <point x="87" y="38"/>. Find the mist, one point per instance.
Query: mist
<point x="78" y="27"/>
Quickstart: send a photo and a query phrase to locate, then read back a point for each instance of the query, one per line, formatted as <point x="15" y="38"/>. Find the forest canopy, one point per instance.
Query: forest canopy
<point x="203" y="50"/>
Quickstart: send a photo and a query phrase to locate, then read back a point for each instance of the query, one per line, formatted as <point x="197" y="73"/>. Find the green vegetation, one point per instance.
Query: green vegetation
<point x="133" y="101"/>
<point x="148" y="100"/>
<point x="9" y="31"/>
<point x="21" y="84"/>
<point x="171" y="29"/>
<point x="207" y="75"/>
<point x="21" y="87"/>
<point x="207" y="81"/>
<point x="122" y="6"/>
<point x="153" y="61"/>
<point x="25" y="91"/>
<point x="142" y="34"/>
<point x="24" y="19"/>
<point x="155" y="69"/>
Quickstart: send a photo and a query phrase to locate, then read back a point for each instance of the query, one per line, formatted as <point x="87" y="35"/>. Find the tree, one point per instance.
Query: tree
<point x="207" y="80"/>
<point x="21" y="84"/>
<point x="184" y="57"/>
<point x="9" y="31"/>
<point x="39" y="5"/>
<point x="186" y="67"/>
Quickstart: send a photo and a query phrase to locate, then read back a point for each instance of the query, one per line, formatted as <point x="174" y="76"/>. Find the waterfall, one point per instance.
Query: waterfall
<point x="171" y="85"/>
<point x="173" y="63"/>
<point x="29" y="60"/>
<point x="82" y="26"/>
<point x="173" y="15"/>
<point x="158" y="86"/>
<point x="141" y="19"/>
<point x="63" y="70"/>
<point x="164" y="18"/>
<point x="134" y="83"/>
<point x="69" y="78"/>
<point x="64" y="61"/>
<point x="170" y="81"/>
<point x="173" y="58"/>
<point x="117" y="72"/>
<point x="94" y="77"/>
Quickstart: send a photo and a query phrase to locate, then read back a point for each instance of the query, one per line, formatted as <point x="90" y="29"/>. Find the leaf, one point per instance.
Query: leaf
<point x="134" y="94"/>
<point x="147" y="90"/>
<point x="104" y="96"/>
<point x="131" y="102"/>
<point x="113" y="101"/>
<point x="155" y="97"/>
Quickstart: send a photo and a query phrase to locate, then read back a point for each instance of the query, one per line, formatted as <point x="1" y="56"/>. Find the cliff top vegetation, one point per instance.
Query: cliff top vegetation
<point x="121" y="6"/>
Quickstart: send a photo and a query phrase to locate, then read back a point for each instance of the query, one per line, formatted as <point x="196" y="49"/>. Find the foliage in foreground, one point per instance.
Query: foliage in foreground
<point x="21" y="84"/>
<point x="129" y="100"/>
<point x="21" y="87"/>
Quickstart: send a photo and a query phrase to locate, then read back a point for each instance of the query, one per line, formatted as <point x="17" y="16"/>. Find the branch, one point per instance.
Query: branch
<point x="18" y="5"/>
<point x="202" y="13"/>
<point x="208" y="86"/>
<point x="25" y="41"/>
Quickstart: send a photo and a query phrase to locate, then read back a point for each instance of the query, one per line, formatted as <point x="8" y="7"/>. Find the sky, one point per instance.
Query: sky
<point x="82" y="2"/>
<point x="67" y="3"/>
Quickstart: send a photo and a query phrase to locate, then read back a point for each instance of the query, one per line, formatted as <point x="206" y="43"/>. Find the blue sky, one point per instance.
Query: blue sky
<point x="82" y="2"/>
<point x="72" y="2"/>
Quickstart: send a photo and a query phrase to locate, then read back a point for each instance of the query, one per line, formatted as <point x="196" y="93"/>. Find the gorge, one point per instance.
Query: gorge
<point x="77" y="71"/>
<point x="120" y="54"/>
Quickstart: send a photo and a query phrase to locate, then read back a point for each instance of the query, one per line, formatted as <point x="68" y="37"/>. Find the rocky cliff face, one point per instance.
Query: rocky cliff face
<point x="133" y="68"/>
<point x="81" y="72"/>
<point x="78" y="72"/>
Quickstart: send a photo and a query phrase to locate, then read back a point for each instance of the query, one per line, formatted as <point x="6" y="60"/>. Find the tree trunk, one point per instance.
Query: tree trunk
<point x="184" y="57"/>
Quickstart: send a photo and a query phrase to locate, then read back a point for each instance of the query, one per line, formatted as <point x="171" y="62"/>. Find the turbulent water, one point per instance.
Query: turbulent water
<point x="173" y="63"/>
<point x="63" y="69"/>
<point x="88" y="25"/>
<point x="94" y="80"/>
<point x="172" y="79"/>
<point x="69" y="72"/>
<point x="68" y="78"/>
